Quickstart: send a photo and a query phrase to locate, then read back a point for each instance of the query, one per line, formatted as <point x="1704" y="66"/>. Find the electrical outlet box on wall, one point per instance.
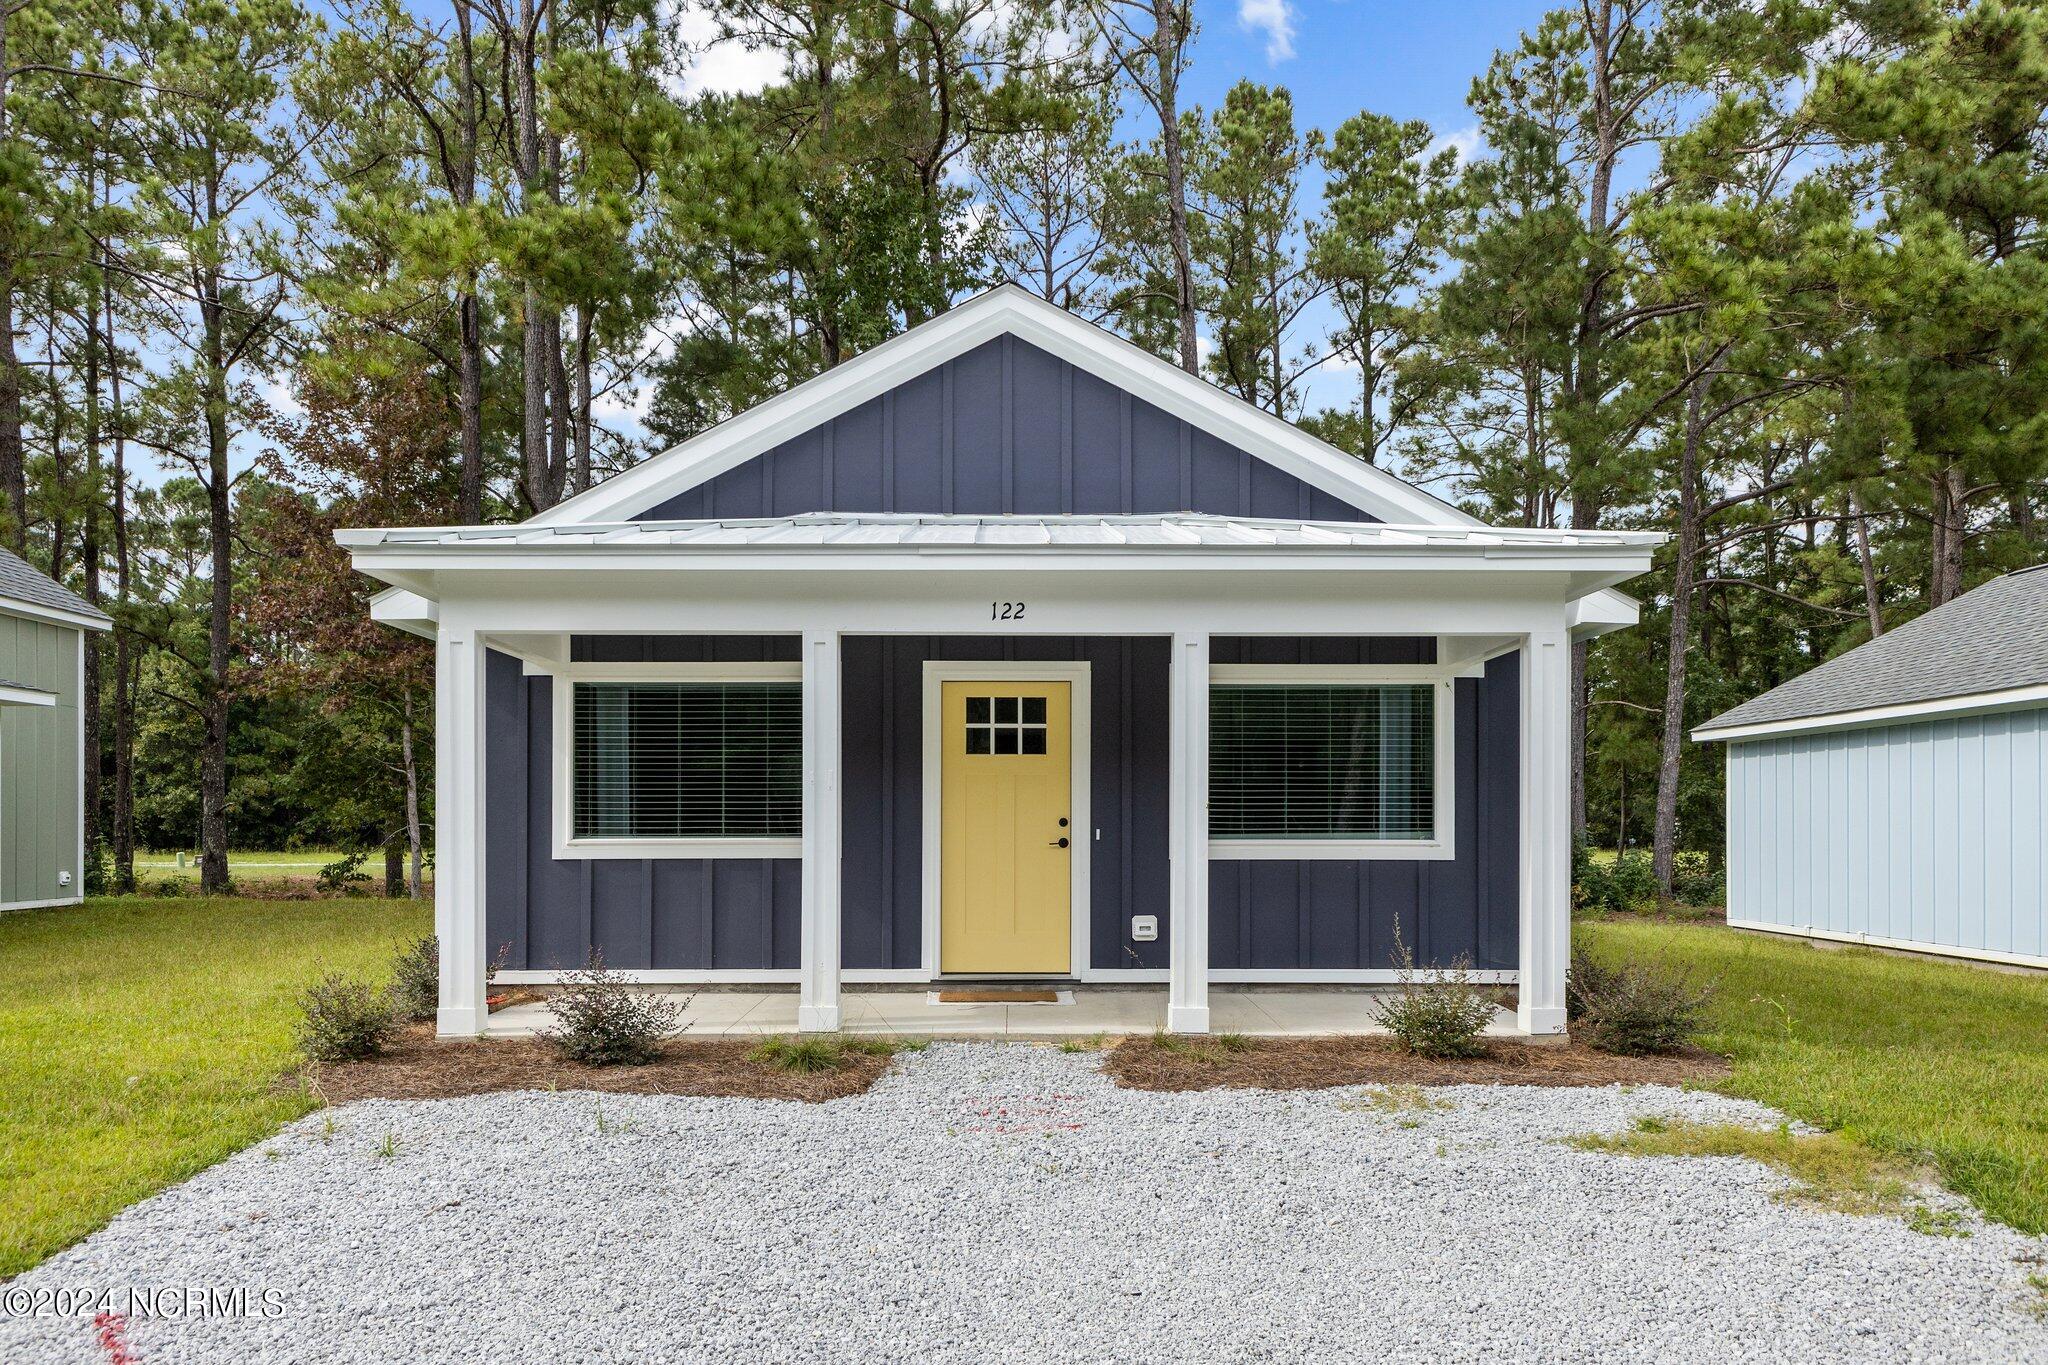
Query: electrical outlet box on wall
<point x="1144" y="928"/>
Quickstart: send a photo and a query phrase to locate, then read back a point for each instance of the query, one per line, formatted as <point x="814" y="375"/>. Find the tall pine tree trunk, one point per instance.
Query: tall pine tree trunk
<point x="89" y="554"/>
<point x="1945" y="572"/>
<point x="1664" y="841"/>
<point x="1867" y="565"/>
<point x="413" y="843"/>
<point x="213" y="752"/>
<point x="469" y="507"/>
<point x="13" y="454"/>
<point x="535" y="368"/>
<point x="1168" y="34"/>
<point x="124" y="663"/>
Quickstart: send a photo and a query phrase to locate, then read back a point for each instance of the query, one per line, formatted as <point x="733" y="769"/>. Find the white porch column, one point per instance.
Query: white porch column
<point x="1546" y="902"/>
<point x="817" y="1008"/>
<point x="459" y="829"/>
<point x="1187" y="994"/>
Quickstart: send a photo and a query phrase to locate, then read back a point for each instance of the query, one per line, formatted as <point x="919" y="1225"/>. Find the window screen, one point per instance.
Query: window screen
<point x="673" y="760"/>
<point x="1322" y="761"/>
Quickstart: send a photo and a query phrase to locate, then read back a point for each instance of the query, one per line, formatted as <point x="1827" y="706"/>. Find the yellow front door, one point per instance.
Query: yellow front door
<point x="1006" y="841"/>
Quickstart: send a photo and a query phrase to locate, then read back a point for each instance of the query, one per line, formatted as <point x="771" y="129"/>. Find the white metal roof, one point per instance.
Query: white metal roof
<point x="844" y="532"/>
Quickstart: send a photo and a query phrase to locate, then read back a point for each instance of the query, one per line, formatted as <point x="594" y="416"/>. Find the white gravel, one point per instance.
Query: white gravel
<point x="988" y="1203"/>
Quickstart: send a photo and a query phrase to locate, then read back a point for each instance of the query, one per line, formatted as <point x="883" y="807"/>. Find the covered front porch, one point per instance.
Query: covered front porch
<point x="1450" y="646"/>
<point x="1080" y="1012"/>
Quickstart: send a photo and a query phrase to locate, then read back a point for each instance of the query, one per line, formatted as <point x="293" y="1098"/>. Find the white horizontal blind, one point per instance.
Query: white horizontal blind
<point x="1322" y="761"/>
<point x="676" y="760"/>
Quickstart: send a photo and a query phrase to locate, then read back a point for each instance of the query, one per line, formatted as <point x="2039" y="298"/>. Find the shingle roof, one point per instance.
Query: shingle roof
<point x="1991" y="639"/>
<point x="891" y="530"/>
<point x="21" y="581"/>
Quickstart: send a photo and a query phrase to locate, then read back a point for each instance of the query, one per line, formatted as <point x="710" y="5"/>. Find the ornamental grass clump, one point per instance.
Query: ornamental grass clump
<point x="601" y="1020"/>
<point x="1633" y="1009"/>
<point x="341" y="1019"/>
<point x="1434" y="1011"/>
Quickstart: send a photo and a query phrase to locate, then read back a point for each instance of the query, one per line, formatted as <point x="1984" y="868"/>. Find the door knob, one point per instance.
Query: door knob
<point x="1057" y="843"/>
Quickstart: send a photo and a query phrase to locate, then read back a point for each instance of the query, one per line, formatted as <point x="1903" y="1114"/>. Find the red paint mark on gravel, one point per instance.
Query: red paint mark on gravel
<point x="111" y="1329"/>
<point x="1008" y="1114"/>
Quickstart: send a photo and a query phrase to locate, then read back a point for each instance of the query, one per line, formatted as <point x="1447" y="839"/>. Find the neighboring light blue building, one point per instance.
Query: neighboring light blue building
<point x="1894" y="796"/>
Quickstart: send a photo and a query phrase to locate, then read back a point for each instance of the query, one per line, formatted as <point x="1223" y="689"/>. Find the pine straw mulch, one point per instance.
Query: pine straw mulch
<point x="1318" y="1063"/>
<point x="420" y="1067"/>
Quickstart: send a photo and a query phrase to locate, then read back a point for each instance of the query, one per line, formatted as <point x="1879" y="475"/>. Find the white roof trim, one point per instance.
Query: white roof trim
<point x="859" y="532"/>
<point x="1968" y="704"/>
<point x="15" y="694"/>
<point x="36" y="611"/>
<point x="1004" y="309"/>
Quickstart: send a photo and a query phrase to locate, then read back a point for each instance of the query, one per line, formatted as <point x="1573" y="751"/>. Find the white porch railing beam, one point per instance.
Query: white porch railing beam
<point x="459" y="719"/>
<point x="818" y="990"/>
<point x="1187" y="994"/>
<point x="1546" y="831"/>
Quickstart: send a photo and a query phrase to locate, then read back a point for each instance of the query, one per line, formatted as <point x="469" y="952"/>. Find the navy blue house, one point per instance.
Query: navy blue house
<point x="1004" y="650"/>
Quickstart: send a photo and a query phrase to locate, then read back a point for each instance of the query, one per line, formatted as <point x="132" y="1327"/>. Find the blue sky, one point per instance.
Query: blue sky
<point x="1410" y="60"/>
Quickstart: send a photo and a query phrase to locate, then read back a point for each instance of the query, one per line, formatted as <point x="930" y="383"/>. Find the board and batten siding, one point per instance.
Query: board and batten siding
<point x="40" y="757"/>
<point x="1933" y="834"/>
<point x="743" y="915"/>
<point x="1005" y="428"/>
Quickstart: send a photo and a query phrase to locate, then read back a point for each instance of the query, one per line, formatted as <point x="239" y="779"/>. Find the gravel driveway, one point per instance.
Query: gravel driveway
<point x="1007" y="1203"/>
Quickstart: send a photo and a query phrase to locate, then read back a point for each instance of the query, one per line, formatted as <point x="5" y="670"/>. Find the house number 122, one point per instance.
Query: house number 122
<point x="1006" y="611"/>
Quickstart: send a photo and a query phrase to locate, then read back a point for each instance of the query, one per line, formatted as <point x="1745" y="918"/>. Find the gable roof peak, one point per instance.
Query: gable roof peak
<point x="1006" y="309"/>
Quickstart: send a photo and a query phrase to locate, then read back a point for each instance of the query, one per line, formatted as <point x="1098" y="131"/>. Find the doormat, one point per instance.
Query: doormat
<point x="974" y="997"/>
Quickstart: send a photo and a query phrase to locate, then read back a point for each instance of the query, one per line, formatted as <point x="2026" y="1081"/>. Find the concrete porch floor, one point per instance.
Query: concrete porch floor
<point x="1081" y="1013"/>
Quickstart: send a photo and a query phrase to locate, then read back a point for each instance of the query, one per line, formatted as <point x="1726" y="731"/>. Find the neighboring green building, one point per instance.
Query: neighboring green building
<point x="42" y="736"/>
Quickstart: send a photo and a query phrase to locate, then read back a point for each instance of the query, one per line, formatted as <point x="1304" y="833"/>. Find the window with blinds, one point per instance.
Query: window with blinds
<point x="687" y="760"/>
<point x="1322" y="761"/>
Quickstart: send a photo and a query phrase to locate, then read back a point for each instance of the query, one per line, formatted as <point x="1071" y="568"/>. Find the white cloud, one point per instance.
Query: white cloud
<point x="278" y="396"/>
<point x="1467" y="142"/>
<point x="1275" y="19"/>
<point x="720" y="65"/>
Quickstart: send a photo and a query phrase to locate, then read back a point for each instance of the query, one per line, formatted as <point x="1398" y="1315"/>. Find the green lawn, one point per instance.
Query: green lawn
<point x="1937" y="1062"/>
<point x="141" y="1041"/>
<point x="304" y="862"/>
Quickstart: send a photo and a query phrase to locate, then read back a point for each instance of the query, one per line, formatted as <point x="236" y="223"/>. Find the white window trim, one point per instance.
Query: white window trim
<point x="1444" y="720"/>
<point x="563" y="757"/>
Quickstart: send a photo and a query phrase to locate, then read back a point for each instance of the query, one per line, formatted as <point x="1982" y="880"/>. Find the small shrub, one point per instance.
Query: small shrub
<point x="1435" y="1012"/>
<point x="169" y="886"/>
<point x="1624" y="884"/>
<point x="343" y="1020"/>
<point x="416" y="980"/>
<point x="600" y="1020"/>
<point x="1634" y="1009"/>
<point x="1696" y="879"/>
<point x="344" y="876"/>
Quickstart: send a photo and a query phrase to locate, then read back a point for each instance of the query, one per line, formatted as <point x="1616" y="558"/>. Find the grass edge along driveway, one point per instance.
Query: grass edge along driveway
<point x="141" y="1041"/>
<point x="1937" y="1062"/>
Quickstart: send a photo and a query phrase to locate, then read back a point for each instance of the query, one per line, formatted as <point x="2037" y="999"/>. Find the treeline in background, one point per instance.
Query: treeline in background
<point x="1768" y="276"/>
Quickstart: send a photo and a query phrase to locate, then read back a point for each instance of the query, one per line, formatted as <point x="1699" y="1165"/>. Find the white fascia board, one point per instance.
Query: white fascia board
<point x="1939" y="708"/>
<point x="1005" y="309"/>
<point x="408" y="611"/>
<point x="25" y="696"/>
<point x="394" y="562"/>
<point x="35" y="611"/>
